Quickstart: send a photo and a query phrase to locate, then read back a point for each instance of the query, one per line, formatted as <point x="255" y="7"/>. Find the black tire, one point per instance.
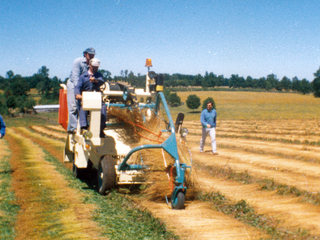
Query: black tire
<point x="106" y="174"/>
<point x="178" y="203"/>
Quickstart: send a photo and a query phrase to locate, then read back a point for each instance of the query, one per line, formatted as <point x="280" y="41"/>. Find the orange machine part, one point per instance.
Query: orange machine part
<point x="63" y="109"/>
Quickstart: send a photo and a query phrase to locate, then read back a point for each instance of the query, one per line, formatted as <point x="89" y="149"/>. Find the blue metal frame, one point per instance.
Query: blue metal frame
<point x="169" y="145"/>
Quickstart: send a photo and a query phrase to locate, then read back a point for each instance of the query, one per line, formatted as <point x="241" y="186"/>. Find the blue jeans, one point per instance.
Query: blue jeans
<point x="72" y="107"/>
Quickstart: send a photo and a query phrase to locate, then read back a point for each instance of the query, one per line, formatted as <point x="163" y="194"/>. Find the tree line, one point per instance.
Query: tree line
<point x="16" y="89"/>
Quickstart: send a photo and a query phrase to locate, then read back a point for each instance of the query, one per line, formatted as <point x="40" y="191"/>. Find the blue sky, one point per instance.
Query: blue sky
<point x="249" y="38"/>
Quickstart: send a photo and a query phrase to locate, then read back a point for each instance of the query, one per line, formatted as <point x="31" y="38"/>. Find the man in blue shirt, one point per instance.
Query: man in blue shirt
<point x="208" y="120"/>
<point x="2" y="127"/>
<point x="90" y="80"/>
<point x="80" y="65"/>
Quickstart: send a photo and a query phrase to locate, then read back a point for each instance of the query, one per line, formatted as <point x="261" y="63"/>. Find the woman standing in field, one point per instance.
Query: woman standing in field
<point x="2" y="127"/>
<point x="208" y="120"/>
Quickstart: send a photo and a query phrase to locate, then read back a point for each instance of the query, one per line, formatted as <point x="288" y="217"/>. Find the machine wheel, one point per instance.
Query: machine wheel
<point x="178" y="202"/>
<point x="106" y="174"/>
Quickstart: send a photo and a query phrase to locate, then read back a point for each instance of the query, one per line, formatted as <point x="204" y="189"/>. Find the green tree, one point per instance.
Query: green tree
<point x="11" y="103"/>
<point x="3" y="108"/>
<point x="28" y="105"/>
<point x="209" y="80"/>
<point x="317" y="73"/>
<point x="236" y="81"/>
<point x="2" y="82"/>
<point x="166" y="93"/>
<point x="209" y="99"/>
<point x="249" y="82"/>
<point x="44" y="86"/>
<point x="198" y="80"/>
<point x="316" y="87"/>
<point x="233" y="81"/>
<point x="271" y="82"/>
<point x="193" y="102"/>
<point x="105" y="74"/>
<point x="174" y="100"/>
<point x="220" y="80"/>
<point x="43" y="71"/>
<point x="9" y="74"/>
<point x="262" y="83"/>
<point x="18" y="86"/>
<point x="295" y="84"/>
<point x="305" y="86"/>
<point x="286" y="83"/>
<point x="316" y="83"/>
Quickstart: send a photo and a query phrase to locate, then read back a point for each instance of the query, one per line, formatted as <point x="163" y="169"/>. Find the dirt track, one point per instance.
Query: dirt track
<point x="261" y="156"/>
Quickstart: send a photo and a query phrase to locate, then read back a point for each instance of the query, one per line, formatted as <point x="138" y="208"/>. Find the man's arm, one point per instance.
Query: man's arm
<point x="76" y="71"/>
<point x="77" y="88"/>
<point x="203" y="121"/>
<point x="3" y="127"/>
<point x="100" y="81"/>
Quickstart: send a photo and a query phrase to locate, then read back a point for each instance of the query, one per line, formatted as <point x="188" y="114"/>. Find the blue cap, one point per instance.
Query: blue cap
<point x="90" y="51"/>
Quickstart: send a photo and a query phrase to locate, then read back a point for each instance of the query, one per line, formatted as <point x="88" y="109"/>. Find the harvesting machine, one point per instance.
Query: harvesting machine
<point x="116" y="159"/>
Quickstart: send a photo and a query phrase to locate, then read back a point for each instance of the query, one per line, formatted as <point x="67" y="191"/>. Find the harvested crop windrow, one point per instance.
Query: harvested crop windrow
<point x="297" y="151"/>
<point x="56" y="128"/>
<point x="268" y="167"/>
<point x="49" y="208"/>
<point x="269" y="161"/>
<point x="310" y="139"/>
<point x="306" y="131"/>
<point x="4" y="150"/>
<point x="53" y="146"/>
<point x="48" y="132"/>
<point x="301" y="152"/>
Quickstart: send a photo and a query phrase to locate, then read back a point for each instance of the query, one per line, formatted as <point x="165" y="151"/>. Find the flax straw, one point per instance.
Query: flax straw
<point x="160" y="173"/>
